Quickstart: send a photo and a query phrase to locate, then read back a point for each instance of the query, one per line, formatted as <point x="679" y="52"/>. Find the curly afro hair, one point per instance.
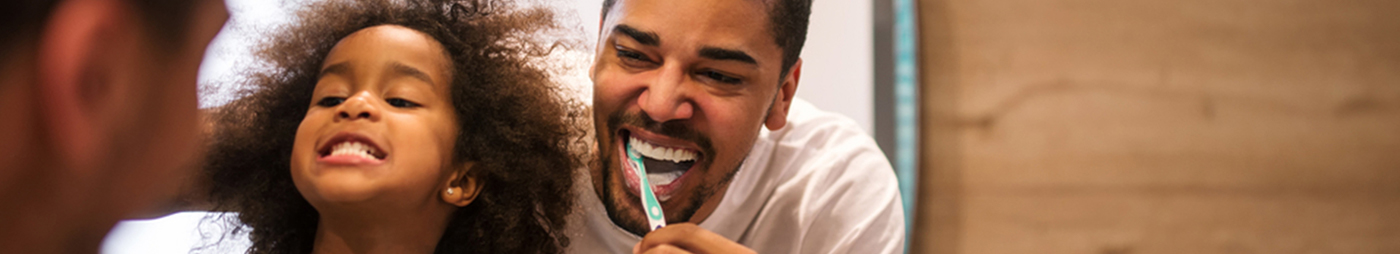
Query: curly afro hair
<point x="522" y="132"/>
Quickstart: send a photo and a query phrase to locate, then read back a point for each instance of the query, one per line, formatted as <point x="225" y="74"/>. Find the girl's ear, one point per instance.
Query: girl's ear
<point x="461" y="187"/>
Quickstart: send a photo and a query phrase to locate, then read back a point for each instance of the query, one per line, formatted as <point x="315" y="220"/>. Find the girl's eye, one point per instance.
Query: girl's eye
<point x="401" y="103"/>
<point x="720" y="77"/>
<point x="330" y="101"/>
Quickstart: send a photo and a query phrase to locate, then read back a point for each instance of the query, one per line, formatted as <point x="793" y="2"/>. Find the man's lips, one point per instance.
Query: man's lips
<point x="350" y="149"/>
<point x="657" y="139"/>
<point x="663" y="192"/>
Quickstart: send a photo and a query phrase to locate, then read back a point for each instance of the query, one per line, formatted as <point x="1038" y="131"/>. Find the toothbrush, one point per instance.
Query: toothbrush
<point x="653" y="209"/>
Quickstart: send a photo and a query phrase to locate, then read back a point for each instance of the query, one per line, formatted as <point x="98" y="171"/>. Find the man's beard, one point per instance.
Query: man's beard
<point x="675" y="129"/>
<point x="638" y="225"/>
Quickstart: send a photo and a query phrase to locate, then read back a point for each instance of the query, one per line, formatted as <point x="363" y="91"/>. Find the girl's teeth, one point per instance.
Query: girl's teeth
<point x="355" y="149"/>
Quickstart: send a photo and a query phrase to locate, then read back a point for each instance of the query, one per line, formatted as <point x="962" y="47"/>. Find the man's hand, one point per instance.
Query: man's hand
<point x="687" y="238"/>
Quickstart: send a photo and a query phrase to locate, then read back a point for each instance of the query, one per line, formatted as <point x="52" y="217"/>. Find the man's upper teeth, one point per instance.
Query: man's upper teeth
<point x="353" y="148"/>
<point x="661" y="153"/>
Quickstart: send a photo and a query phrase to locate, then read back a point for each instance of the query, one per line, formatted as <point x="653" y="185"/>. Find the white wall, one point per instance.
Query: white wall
<point x="838" y="66"/>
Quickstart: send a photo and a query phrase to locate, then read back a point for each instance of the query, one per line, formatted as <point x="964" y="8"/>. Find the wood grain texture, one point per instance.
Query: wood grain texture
<point x="1142" y="126"/>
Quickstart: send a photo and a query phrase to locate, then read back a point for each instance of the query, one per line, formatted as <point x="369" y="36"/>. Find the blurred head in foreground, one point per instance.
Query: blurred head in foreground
<point x="99" y="108"/>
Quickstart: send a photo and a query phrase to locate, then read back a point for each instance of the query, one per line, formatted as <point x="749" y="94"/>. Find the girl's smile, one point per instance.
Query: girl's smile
<point x="351" y="149"/>
<point x="381" y="89"/>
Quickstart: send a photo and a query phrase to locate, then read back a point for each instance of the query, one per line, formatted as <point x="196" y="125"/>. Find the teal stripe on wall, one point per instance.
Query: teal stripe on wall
<point x="906" y="108"/>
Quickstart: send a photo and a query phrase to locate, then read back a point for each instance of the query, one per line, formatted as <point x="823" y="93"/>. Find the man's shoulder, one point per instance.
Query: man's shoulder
<point x="819" y="150"/>
<point x="830" y="183"/>
<point x="823" y="141"/>
<point x="807" y="123"/>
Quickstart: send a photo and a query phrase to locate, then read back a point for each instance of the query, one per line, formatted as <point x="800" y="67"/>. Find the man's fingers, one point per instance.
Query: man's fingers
<point x="691" y="238"/>
<point x="666" y="249"/>
<point x="685" y="235"/>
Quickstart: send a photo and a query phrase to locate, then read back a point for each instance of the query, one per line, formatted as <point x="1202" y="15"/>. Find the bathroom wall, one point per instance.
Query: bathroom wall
<point x="1160" y="126"/>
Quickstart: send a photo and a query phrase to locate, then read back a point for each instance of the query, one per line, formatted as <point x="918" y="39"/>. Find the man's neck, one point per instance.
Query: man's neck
<point x="356" y="232"/>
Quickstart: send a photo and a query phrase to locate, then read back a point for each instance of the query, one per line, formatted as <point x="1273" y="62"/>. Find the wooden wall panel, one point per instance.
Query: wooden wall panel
<point x="1160" y="126"/>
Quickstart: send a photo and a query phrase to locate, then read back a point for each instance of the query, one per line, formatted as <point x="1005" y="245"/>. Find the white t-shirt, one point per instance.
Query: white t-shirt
<point x="818" y="185"/>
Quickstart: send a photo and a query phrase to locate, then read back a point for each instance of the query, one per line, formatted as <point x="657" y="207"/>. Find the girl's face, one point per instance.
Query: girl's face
<point x="380" y="129"/>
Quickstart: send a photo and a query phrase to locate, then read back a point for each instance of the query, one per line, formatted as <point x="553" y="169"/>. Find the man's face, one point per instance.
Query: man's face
<point x="688" y="84"/>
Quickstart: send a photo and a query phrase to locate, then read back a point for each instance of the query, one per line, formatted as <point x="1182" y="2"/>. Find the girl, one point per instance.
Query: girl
<point x="401" y="127"/>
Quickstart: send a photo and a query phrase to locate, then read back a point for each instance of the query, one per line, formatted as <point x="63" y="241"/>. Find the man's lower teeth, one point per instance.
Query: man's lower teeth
<point x="663" y="178"/>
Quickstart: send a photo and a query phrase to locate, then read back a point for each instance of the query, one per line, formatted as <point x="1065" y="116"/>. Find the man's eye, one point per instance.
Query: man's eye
<point x="401" y="103"/>
<point x="633" y="58"/>
<point x="330" y="101"/>
<point x="720" y="77"/>
<point x="631" y="55"/>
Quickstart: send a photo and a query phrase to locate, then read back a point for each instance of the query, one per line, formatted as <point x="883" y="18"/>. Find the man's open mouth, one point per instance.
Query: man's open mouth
<point x="665" y="165"/>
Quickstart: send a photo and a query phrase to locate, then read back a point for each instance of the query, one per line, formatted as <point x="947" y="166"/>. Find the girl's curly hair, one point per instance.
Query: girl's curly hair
<point x="515" y="123"/>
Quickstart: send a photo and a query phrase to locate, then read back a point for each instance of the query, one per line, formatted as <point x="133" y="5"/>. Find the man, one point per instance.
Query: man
<point x="99" y="108"/>
<point x="690" y="85"/>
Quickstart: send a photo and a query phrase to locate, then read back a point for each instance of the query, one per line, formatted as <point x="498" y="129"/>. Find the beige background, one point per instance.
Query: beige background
<point x="1160" y="126"/>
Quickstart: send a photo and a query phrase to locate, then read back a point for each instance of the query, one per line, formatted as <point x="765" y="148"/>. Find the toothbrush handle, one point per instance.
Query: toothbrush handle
<point x="655" y="216"/>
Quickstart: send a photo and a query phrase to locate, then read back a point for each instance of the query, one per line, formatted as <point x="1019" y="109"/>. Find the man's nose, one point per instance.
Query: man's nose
<point x="667" y="98"/>
<point x="359" y="106"/>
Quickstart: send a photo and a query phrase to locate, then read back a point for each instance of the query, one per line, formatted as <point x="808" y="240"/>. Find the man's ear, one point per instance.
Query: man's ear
<point x="71" y="85"/>
<point x="777" y="114"/>
<point x="461" y="187"/>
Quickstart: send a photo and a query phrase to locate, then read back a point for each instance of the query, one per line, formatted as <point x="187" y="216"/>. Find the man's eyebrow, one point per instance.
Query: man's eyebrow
<point x="341" y="68"/>
<point x="645" y="38"/>
<point x="403" y="69"/>
<point x="726" y="54"/>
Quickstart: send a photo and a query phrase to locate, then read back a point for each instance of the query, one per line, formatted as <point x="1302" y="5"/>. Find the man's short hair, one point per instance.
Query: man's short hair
<point x="787" y="19"/>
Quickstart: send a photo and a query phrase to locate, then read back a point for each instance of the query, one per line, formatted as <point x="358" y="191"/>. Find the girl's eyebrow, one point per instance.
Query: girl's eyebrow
<point x="404" y="69"/>
<point x="341" y="68"/>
